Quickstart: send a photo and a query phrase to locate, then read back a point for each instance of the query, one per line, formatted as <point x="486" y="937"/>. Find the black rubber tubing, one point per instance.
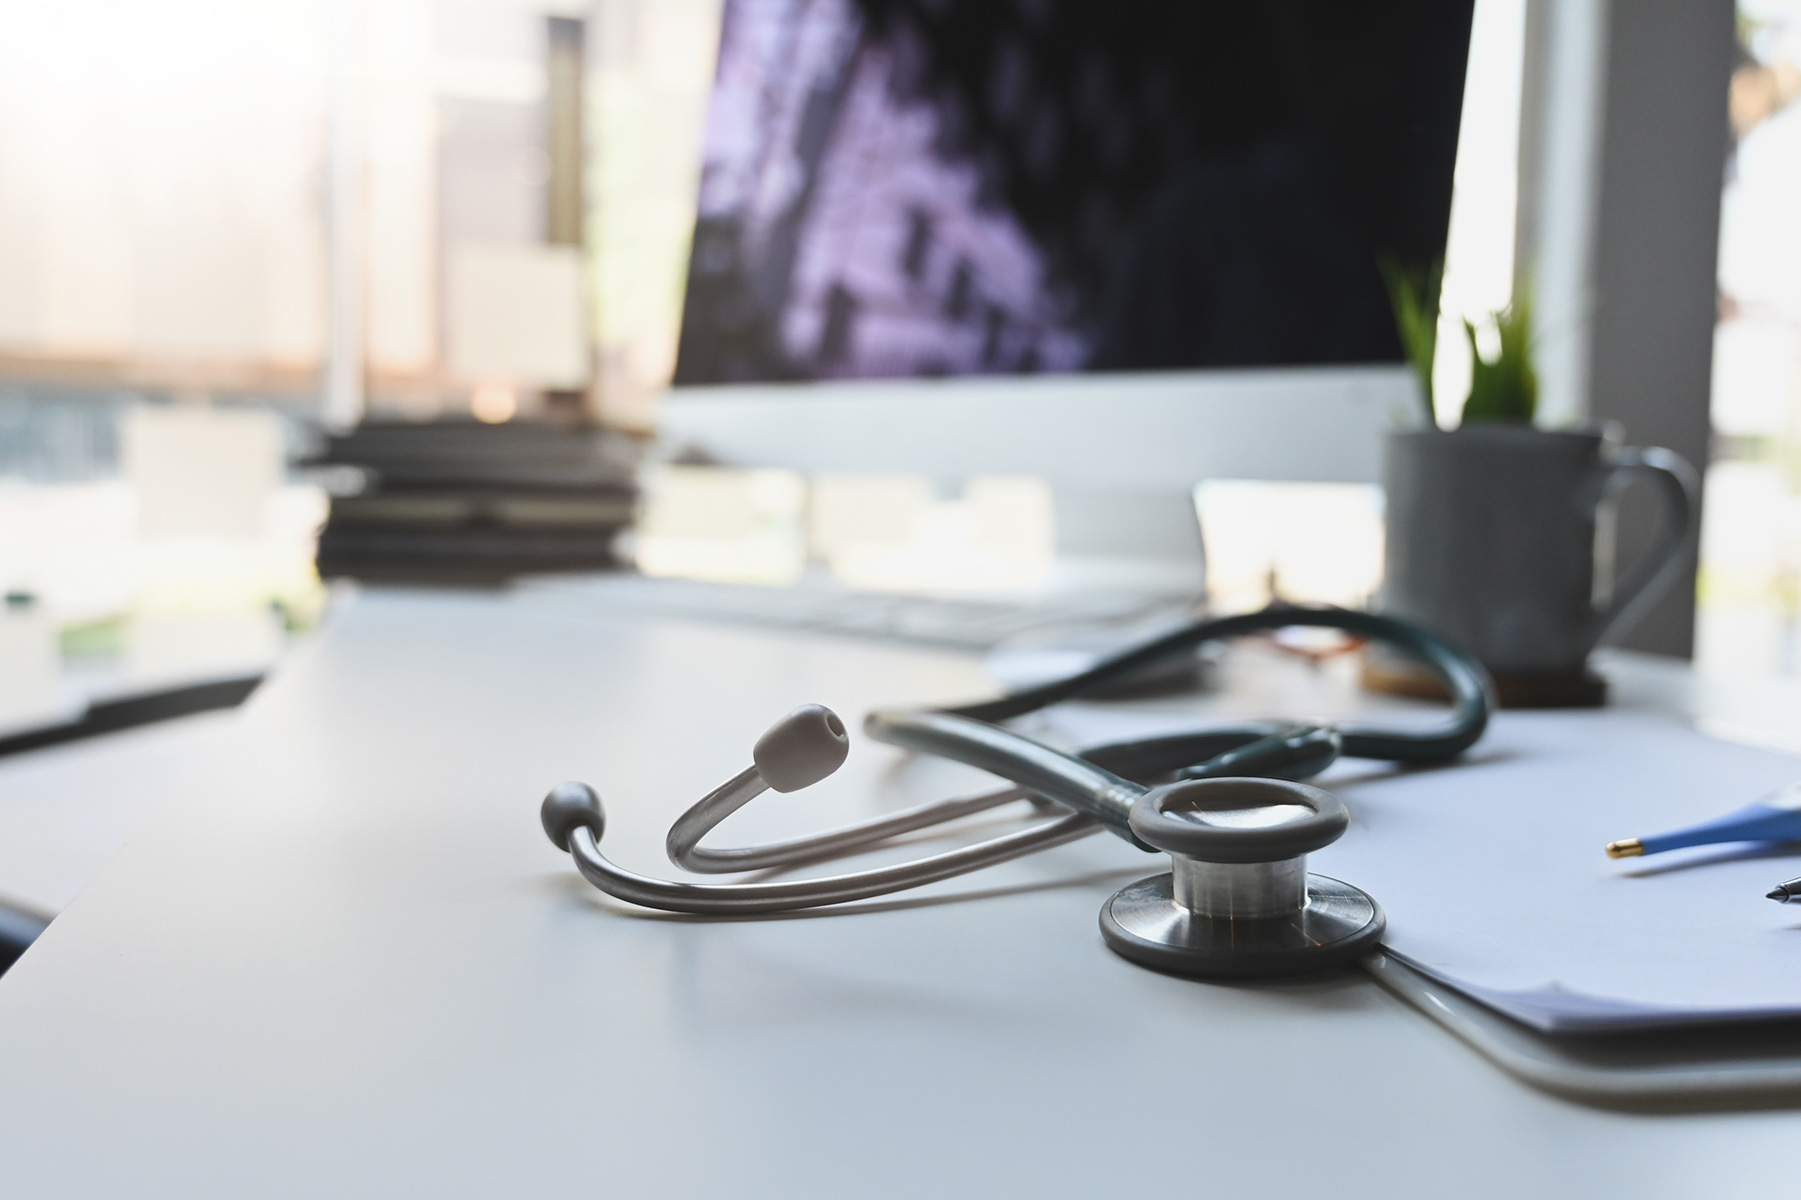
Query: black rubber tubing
<point x="1100" y="780"/>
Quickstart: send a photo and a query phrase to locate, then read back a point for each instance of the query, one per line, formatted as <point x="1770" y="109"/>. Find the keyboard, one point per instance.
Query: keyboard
<point x="960" y="623"/>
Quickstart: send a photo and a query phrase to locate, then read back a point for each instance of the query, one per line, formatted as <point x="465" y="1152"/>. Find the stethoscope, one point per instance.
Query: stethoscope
<point x="1227" y="805"/>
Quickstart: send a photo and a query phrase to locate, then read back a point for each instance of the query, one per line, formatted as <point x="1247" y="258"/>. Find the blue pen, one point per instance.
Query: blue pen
<point x="1775" y="818"/>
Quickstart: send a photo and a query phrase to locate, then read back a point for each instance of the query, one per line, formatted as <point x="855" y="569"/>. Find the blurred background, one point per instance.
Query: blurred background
<point x="1750" y="584"/>
<point x="232" y="231"/>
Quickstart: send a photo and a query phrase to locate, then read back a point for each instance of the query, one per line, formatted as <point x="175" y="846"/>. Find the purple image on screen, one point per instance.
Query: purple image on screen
<point x="883" y="259"/>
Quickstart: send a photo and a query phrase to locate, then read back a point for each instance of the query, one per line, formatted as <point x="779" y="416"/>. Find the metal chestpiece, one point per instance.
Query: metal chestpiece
<point x="1238" y="901"/>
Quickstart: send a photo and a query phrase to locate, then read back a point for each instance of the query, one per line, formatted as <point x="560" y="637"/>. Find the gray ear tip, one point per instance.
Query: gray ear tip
<point x="568" y="807"/>
<point x="802" y="748"/>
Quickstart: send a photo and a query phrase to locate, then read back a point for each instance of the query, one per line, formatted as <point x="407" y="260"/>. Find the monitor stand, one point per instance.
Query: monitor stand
<point x="1146" y="542"/>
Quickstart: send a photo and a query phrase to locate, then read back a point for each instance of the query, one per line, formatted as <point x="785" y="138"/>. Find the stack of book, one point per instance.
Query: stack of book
<point x="464" y="502"/>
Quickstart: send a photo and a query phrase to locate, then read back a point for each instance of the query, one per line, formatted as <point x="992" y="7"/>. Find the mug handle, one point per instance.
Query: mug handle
<point x="1678" y="485"/>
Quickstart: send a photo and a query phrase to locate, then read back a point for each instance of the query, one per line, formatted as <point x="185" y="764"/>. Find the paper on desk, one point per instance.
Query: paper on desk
<point x="1494" y="879"/>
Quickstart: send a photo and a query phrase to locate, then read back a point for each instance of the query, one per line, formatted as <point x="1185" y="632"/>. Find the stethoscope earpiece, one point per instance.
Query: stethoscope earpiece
<point x="569" y="807"/>
<point x="1238" y="901"/>
<point x="801" y="749"/>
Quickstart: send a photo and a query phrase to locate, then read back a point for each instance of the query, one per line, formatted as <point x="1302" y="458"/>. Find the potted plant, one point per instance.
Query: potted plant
<point x="1491" y="526"/>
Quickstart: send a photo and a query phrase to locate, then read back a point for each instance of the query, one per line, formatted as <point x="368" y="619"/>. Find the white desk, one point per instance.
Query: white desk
<point x="345" y="961"/>
<point x="66" y="810"/>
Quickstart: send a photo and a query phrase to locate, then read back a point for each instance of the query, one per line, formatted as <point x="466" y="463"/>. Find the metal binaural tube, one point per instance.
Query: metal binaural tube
<point x="1070" y="781"/>
<point x="738" y="899"/>
<point x="1240" y="891"/>
<point x="685" y="850"/>
<point x="712" y="808"/>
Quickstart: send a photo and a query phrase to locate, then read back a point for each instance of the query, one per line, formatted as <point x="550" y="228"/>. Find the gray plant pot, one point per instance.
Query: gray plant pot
<point x="1492" y="542"/>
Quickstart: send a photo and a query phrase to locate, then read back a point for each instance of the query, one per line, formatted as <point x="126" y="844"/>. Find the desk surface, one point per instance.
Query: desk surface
<point x="345" y="961"/>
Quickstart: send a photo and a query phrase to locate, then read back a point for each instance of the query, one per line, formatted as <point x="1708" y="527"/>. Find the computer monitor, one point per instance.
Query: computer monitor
<point x="1122" y="244"/>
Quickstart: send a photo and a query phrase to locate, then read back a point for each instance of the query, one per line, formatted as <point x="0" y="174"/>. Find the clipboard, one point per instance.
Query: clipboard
<point x="1739" y="1066"/>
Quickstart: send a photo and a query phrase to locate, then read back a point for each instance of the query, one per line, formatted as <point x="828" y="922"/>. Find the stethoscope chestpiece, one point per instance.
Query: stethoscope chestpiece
<point x="1238" y="902"/>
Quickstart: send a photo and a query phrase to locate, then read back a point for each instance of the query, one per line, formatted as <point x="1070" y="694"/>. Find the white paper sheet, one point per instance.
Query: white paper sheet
<point x="1494" y="879"/>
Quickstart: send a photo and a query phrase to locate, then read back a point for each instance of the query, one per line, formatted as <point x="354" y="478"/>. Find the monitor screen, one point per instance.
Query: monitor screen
<point x="918" y="188"/>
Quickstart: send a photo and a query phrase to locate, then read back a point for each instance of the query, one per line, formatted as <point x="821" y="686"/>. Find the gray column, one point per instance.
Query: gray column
<point x="1620" y="217"/>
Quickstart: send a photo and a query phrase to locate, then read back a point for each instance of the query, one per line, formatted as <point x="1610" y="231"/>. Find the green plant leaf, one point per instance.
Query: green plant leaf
<point x="1414" y="297"/>
<point x="1506" y="388"/>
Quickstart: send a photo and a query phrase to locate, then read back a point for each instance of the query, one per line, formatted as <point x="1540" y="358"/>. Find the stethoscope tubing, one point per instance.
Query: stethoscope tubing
<point x="1470" y="690"/>
<point x="1104" y="781"/>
